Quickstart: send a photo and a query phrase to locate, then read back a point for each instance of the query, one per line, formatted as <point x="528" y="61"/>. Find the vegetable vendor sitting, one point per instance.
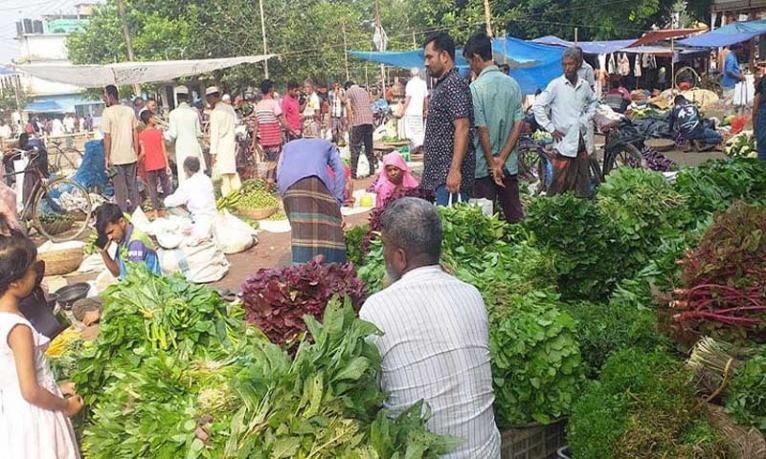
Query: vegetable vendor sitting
<point x="132" y="244"/>
<point x="393" y="179"/>
<point x="687" y="120"/>
<point x="197" y="194"/>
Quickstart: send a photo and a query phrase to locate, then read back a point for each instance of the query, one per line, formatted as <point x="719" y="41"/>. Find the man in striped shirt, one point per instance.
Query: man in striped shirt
<point x="435" y="345"/>
<point x="270" y="121"/>
<point x="360" y="121"/>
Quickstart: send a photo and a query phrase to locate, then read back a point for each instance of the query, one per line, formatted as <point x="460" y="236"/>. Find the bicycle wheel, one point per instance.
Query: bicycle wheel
<point x="62" y="210"/>
<point x="627" y="156"/>
<point x="68" y="160"/>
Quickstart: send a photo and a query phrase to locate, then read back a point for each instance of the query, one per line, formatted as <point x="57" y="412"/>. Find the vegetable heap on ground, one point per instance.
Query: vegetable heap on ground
<point x="254" y="194"/>
<point x="177" y="372"/>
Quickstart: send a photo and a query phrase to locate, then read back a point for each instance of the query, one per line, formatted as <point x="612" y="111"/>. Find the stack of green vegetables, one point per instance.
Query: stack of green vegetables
<point x="176" y="372"/>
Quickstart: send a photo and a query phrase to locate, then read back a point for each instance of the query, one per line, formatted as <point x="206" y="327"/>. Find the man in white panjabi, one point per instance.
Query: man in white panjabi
<point x="184" y="128"/>
<point x="223" y="145"/>
<point x="435" y="342"/>
<point x="196" y="193"/>
<point x="416" y="94"/>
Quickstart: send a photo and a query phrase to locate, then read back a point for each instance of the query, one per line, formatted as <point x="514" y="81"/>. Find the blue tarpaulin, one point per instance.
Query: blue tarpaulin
<point x="44" y="106"/>
<point x="533" y="65"/>
<point x="588" y="47"/>
<point x="729" y="34"/>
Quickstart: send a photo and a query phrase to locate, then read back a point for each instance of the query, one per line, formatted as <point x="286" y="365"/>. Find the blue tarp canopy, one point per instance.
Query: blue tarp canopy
<point x="533" y="65"/>
<point x="44" y="106"/>
<point x="403" y="59"/>
<point x="588" y="47"/>
<point x="729" y="34"/>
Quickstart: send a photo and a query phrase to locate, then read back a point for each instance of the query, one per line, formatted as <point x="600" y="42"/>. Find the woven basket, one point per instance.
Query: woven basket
<point x="57" y="227"/>
<point x="58" y="262"/>
<point x="533" y="441"/>
<point x="257" y="214"/>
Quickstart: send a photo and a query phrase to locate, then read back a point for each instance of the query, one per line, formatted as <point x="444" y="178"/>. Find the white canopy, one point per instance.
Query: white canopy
<point x="125" y="73"/>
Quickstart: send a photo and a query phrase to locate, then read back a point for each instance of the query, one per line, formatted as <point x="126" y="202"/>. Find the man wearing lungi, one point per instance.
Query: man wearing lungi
<point x="566" y="109"/>
<point x="311" y="182"/>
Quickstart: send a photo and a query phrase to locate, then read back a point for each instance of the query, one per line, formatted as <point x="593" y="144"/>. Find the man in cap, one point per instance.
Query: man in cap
<point x="223" y="145"/>
<point x="184" y="128"/>
<point x="416" y="95"/>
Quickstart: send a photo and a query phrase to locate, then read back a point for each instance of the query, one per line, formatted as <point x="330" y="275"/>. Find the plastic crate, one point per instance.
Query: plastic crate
<point x="534" y="442"/>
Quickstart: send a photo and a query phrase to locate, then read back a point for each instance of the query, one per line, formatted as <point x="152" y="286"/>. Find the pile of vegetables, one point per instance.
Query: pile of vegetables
<point x="254" y="194"/>
<point x="715" y="185"/>
<point x="744" y="397"/>
<point x="724" y="277"/>
<point x="276" y="300"/>
<point x="741" y="145"/>
<point x="643" y="405"/>
<point x="656" y="161"/>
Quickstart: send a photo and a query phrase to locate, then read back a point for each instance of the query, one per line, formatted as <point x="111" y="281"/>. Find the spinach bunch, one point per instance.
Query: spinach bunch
<point x="745" y="395"/>
<point x="644" y="208"/>
<point x="715" y="185"/>
<point x="355" y="241"/>
<point x="537" y="366"/>
<point x="587" y="249"/>
<point x="644" y="405"/>
<point x="323" y="402"/>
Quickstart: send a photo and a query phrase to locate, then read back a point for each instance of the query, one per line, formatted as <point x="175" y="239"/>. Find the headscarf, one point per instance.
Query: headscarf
<point x="383" y="187"/>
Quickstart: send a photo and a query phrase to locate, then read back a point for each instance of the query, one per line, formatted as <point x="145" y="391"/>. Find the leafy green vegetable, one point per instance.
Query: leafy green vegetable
<point x="644" y="405"/>
<point x="745" y="395"/>
<point x="536" y="362"/>
<point x="355" y="244"/>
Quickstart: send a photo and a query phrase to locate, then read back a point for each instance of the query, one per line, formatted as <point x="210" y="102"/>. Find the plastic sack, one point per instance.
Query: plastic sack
<point x="232" y="234"/>
<point x="199" y="264"/>
<point x="487" y="206"/>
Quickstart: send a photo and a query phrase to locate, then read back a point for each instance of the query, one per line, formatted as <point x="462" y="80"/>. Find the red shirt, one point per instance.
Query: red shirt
<point x="151" y="140"/>
<point x="292" y="111"/>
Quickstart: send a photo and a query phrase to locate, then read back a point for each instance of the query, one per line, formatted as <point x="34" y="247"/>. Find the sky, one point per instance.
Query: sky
<point x="12" y="10"/>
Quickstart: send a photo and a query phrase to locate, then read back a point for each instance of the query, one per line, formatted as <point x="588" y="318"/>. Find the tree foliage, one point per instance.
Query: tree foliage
<point x="308" y="35"/>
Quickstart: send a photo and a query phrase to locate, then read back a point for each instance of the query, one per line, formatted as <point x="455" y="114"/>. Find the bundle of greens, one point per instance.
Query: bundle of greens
<point x="276" y="299"/>
<point x="356" y="252"/>
<point x="643" y="406"/>
<point x="744" y="396"/>
<point x="537" y="366"/>
<point x="725" y="276"/>
<point x="322" y="402"/>
<point x="145" y="314"/>
<point x="715" y="185"/>
<point x="645" y="209"/>
<point x="587" y="250"/>
<point x="606" y="328"/>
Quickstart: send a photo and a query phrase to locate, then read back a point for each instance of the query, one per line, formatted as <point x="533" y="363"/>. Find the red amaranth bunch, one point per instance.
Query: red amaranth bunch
<point x="725" y="276"/>
<point x="277" y="299"/>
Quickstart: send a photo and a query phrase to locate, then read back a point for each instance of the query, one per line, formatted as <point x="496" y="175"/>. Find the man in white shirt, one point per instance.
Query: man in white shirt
<point x="197" y="194"/>
<point x="435" y="345"/>
<point x="57" y="127"/>
<point x="312" y="110"/>
<point x="566" y="109"/>
<point x="184" y="128"/>
<point x="416" y="95"/>
<point x="69" y="123"/>
<point x="223" y="145"/>
<point x="5" y="130"/>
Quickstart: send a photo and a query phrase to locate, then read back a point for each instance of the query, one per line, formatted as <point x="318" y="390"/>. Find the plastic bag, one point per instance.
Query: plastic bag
<point x="232" y="234"/>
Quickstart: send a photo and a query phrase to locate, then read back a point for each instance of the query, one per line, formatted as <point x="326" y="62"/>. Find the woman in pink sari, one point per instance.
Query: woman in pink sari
<point x="394" y="178"/>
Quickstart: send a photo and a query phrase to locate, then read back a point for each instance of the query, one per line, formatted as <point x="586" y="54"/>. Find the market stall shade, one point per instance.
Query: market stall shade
<point x="44" y="106"/>
<point x="588" y="47"/>
<point x="729" y="34"/>
<point x="125" y="73"/>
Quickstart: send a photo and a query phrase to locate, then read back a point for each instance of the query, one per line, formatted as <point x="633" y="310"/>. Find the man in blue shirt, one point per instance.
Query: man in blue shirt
<point x="732" y="74"/>
<point x="687" y="120"/>
<point x="133" y="246"/>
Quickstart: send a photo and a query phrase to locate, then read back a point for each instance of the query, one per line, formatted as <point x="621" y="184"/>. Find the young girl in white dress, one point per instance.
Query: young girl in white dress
<point x="34" y="415"/>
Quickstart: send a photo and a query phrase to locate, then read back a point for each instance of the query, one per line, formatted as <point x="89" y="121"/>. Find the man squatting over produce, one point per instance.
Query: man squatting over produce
<point x="435" y="345"/>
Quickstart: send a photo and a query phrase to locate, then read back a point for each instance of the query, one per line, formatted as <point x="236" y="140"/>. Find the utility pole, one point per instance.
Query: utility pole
<point x="414" y="41"/>
<point x="345" y="50"/>
<point x="488" y="18"/>
<point x="263" y="35"/>
<point x="382" y="66"/>
<point x="576" y="31"/>
<point x="128" y="40"/>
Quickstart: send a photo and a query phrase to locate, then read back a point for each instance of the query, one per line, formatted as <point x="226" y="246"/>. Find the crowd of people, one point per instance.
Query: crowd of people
<point x="47" y="126"/>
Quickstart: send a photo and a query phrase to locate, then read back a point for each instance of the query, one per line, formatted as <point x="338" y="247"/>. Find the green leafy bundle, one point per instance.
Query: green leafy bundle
<point x="145" y="314"/>
<point x="355" y="250"/>
<point x="587" y="250"/>
<point x="536" y="362"/>
<point x="745" y="395"/>
<point x="320" y="403"/>
<point x="606" y="328"/>
<point x="644" y="405"/>
<point x="715" y="185"/>
<point x="645" y="209"/>
<point x="167" y="408"/>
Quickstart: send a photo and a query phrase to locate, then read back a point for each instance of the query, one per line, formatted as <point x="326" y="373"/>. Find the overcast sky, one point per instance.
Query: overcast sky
<point x="12" y="10"/>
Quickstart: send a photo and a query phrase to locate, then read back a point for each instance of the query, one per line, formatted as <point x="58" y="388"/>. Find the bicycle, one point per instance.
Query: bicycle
<point x="622" y="148"/>
<point x="59" y="209"/>
<point x="68" y="159"/>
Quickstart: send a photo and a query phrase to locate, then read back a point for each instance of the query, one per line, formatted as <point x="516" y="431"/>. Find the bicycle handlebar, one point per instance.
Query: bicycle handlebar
<point x="18" y="154"/>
